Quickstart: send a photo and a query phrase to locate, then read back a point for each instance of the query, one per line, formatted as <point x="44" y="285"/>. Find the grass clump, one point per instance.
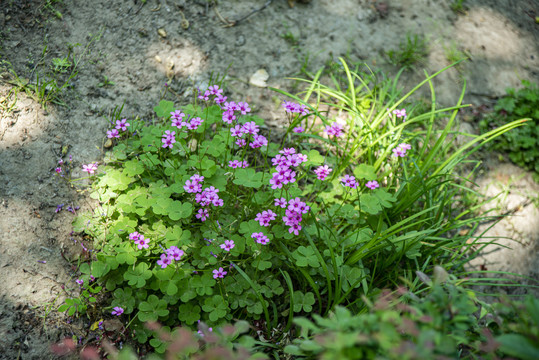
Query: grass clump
<point x="410" y="53"/>
<point x="202" y="218"/>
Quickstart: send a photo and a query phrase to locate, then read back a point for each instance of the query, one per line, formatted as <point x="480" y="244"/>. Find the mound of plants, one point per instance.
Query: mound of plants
<point x="208" y="216"/>
<point x="522" y="144"/>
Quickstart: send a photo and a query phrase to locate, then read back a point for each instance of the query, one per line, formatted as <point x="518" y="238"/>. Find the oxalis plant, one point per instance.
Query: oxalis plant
<point x="205" y="216"/>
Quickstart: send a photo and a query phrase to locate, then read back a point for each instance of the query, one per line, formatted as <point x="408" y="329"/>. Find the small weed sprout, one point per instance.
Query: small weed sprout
<point x="411" y="52"/>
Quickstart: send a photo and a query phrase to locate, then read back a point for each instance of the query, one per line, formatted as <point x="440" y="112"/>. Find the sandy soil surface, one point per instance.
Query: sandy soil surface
<point x="140" y="47"/>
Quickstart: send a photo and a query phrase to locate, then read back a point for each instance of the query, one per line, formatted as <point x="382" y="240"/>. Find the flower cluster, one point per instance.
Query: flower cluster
<point x="121" y="125"/>
<point x="90" y="168"/>
<point x="284" y="164"/>
<point x="171" y="254"/>
<point x="293" y="108"/>
<point x="213" y="91"/>
<point x="350" y="181"/>
<point x="194" y="184"/>
<point x="322" y="172"/>
<point x="139" y="240"/>
<point x="401" y="150"/>
<point x="180" y="121"/>
<point x="234" y="164"/>
<point x="298" y="129"/>
<point x="400" y="114"/>
<point x="265" y="217"/>
<point x="249" y="128"/>
<point x="334" y="129"/>
<point x="168" y="139"/>
<point x="293" y="215"/>
<point x="260" y="238"/>
<point x="230" y="108"/>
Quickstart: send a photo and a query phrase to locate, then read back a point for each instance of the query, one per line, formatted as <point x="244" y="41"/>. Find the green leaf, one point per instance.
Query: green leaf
<point x="303" y="301"/>
<point x="519" y="346"/>
<point x="152" y="309"/>
<point x="164" y="108"/>
<point x="305" y="256"/>
<point x="189" y="313"/>
<point x="124" y="298"/>
<point x="314" y="158"/>
<point x="249" y="178"/>
<point x="116" y="179"/>
<point x="216" y="307"/>
<point x="370" y="204"/>
<point x="364" y="171"/>
<point x="138" y="276"/>
<point x="133" y="167"/>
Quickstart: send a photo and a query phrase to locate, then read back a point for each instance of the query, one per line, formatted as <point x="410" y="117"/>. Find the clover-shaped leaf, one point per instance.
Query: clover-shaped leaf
<point x="152" y="309"/>
<point x="303" y="301"/>
<point x="275" y="286"/>
<point x="305" y="257"/>
<point x="203" y="285"/>
<point x="248" y="178"/>
<point x="370" y="204"/>
<point x="133" y="167"/>
<point x="386" y="199"/>
<point x="189" y="313"/>
<point x="124" y="298"/>
<point x="314" y="158"/>
<point x="164" y="108"/>
<point x="138" y="276"/>
<point x="216" y="307"/>
<point x="364" y="171"/>
<point x="261" y="262"/>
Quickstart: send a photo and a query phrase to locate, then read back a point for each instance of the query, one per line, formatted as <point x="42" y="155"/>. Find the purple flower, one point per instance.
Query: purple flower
<point x="142" y="243"/>
<point x="219" y="273"/>
<point x="214" y="90"/>
<point x="258" y="141"/>
<point x="260" y="238"/>
<point x="244" y="108"/>
<point x="202" y="214"/>
<point x="228" y="245"/>
<point x="117" y="311"/>
<point x="79" y="281"/>
<point x="298" y="129"/>
<point x="58" y="170"/>
<point x="372" y="184"/>
<point x="168" y="139"/>
<point x="90" y="168"/>
<point x="265" y="217"/>
<point x="334" y="129"/>
<point x="400" y="150"/>
<point x="59" y="208"/>
<point x="322" y="172"/>
<point x="281" y="202"/>
<point x="122" y="124"/>
<point x="234" y="164"/>
<point x="400" y="114"/>
<point x="349" y="181"/>
<point x="165" y="261"/>
<point x="219" y="99"/>
<point x="111" y="134"/>
<point x="229" y="117"/>
<point x="250" y="128"/>
<point x="241" y="142"/>
<point x="134" y="236"/>
<point x="175" y="253"/>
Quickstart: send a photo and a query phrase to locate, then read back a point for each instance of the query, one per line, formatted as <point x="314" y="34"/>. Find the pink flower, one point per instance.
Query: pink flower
<point x="58" y="170"/>
<point x="265" y="217"/>
<point x="334" y="129"/>
<point x="322" y="172"/>
<point x="400" y="150"/>
<point x="111" y="134"/>
<point x="260" y="238"/>
<point x="219" y="273"/>
<point x="122" y="124"/>
<point x="244" y="108"/>
<point x="90" y="168"/>
<point x="142" y="243"/>
<point x="228" y="245"/>
<point x="117" y="311"/>
<point x="202" y="214"/>
<point x="175" y="253"/>
<point x="372" y="184"/>
<point x="79" y="281"/>
<point x="281" y="202"/>
<point x="349" y="181"/>
<point x="400" y="114"/>
<point x="298" y="129"/>
<point x="165" y="261"/>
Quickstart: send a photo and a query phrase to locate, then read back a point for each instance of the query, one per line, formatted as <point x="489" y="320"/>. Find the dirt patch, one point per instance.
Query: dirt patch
<point x="129" y="50"/>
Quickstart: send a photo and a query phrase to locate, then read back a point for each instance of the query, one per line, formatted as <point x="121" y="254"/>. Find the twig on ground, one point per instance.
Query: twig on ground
<point x="236" y="22"/>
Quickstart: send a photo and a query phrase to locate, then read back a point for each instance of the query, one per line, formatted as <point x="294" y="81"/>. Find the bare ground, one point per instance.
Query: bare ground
<point x="141" y="47"/>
